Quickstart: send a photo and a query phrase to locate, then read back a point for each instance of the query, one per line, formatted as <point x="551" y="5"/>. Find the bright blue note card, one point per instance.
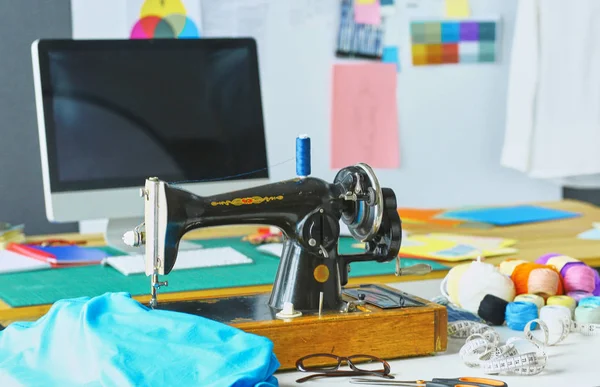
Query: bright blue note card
<point x="507" y="216"/>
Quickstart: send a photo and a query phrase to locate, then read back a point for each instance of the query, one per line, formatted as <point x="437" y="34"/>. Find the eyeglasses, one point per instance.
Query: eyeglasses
<point x="327" y="365"/>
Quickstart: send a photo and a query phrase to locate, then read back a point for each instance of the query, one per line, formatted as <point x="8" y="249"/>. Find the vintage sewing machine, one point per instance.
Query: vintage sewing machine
<point x="310" y="308"/>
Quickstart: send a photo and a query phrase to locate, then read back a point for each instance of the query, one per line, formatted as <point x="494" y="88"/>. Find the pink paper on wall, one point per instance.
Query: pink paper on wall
<point x="364" y="119"/>
<point x="367" y="13"/>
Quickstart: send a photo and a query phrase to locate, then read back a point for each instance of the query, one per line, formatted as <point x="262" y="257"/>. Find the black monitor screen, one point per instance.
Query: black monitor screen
<point x="117" y="112"/>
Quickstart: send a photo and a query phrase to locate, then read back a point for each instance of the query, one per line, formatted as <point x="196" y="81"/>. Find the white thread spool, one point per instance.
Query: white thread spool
<point x="557" y="319"/>
<point x="587" y="314"/>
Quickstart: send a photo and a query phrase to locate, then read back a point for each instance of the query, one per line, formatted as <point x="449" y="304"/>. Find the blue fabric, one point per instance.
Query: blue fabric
<point x="113" y="340"/>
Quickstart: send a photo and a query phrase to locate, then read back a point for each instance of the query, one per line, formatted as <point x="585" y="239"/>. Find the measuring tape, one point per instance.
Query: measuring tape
<point x="482" y="348"/>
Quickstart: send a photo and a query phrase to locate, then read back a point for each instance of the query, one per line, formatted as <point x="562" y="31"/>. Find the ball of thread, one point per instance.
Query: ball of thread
<point x="537" y="300"/>
<point x="577" y="276"/>
<point x="587" y="314"/>
<point x="590" y="301"/>
<point x="480" y="279"/>
<point x="596" y="291"/>
<point x="519" y="313"/>
<point x="565" y="301"/>
<point x="544" y="258"/>
<point x="508" y="266"/>
<point x="559" y="261"/>
<point x="535" y="278"/>
<point x="453" y="279"/>
<point x="492" y="309"/>
<point x="578" y="296"/>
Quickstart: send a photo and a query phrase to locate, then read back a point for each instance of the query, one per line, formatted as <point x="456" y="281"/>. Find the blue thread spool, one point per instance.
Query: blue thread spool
<point x="519" y="313"/>
<point x="593" y="302"/>
<point x="303" y="155"/>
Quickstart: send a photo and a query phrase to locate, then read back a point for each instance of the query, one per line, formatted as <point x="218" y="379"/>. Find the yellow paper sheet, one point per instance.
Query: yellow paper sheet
<point x="458" y="9"/>
<point x="365" y="1"/>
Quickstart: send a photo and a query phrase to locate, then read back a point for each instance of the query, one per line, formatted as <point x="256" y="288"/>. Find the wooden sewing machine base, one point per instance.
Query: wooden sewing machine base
<point x="417" y="328"/>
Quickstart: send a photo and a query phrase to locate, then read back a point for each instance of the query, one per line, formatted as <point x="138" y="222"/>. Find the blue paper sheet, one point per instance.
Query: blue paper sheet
<point x="506" y="216"/>
<point x="390" y="55"/>
<point x="112" y="340"/>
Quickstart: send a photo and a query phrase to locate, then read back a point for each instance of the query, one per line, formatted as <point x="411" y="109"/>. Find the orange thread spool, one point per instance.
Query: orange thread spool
<point x="535" y="278"/>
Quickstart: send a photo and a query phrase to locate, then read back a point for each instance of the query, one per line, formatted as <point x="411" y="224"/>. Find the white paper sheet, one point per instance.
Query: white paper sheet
<point x="271" y="248"/>
<point x="237" y="18"/>
<point x="11" y="262"/>
<point x="191" y="259"/>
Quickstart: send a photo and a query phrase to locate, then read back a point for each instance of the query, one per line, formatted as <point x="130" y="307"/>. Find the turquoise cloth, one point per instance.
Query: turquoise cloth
<point x="113" y="340"/>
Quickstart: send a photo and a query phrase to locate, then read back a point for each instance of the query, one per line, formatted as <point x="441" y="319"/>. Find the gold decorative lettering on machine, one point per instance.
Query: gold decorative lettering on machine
<point x="246" y="201"/>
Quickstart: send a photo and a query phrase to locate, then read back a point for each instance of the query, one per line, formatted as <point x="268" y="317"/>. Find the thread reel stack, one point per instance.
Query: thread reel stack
<point x="479" y="288"/>
<point x="488" y="291"/>
<point x="579" y="279"/>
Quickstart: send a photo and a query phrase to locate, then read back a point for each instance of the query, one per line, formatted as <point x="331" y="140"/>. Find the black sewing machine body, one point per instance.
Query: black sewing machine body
<point x="308" y="211"/>
<point x="312" y="276"/>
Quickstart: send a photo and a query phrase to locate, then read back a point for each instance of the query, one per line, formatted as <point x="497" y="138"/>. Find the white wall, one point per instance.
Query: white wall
<point x="451" y="117"/>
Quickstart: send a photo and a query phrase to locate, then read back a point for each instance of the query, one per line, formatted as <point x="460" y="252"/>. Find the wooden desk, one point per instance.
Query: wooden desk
<point x="534" y="240"/>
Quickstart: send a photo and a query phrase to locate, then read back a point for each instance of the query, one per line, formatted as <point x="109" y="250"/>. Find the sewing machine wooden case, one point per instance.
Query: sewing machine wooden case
<point x="413" y="327"/>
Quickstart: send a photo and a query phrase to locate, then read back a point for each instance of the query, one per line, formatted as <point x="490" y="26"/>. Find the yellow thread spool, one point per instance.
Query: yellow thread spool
<point x="567" y="301"/>
<point x="507" y="267"/>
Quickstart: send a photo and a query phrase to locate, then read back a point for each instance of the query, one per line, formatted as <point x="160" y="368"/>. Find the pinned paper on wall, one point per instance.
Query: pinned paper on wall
<point x="391" y="55"/>
<point x="357" y="40"/>
<point x="367" y="12"/>
<point x="457" y="9"/>
<point x="136" y="19"/>
<point x="364" y="126"/>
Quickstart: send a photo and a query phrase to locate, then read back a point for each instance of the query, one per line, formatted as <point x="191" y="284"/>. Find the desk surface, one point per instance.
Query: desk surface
<point x="534" y="240"/>
<point x="568" y="363"/>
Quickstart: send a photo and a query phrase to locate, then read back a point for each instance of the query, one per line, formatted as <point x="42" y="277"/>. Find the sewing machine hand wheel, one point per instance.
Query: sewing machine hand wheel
<point x="371" y="216"/>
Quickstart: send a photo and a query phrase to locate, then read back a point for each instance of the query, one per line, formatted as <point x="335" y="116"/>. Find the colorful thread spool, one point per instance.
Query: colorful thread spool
<point x="587" y="314"/>
<point x="534" y="298"/>
<point x="535" y="278"/>
<point x="303" y="155"/>
<point x="492" y="309"/>
<point x="593" y="301"/>
<point x="519" y="313"/>
<point x="565" y="301"/>
<point x="578" y="296"/>
<point x="507" y="267"/>
<point x="577" y="276"/>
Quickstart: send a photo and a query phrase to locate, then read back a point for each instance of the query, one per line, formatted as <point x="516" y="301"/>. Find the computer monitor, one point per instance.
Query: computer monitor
<point x="112" y="113"/>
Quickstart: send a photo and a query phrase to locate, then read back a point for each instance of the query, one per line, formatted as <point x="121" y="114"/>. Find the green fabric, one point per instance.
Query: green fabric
<point x="48" y="286"/>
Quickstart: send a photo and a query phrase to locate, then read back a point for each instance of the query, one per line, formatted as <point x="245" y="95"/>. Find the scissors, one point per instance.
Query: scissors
<point x="437" y="382"/>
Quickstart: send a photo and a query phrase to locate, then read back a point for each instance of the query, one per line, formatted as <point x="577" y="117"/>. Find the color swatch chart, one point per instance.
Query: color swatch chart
<point x="451" y="42"/>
